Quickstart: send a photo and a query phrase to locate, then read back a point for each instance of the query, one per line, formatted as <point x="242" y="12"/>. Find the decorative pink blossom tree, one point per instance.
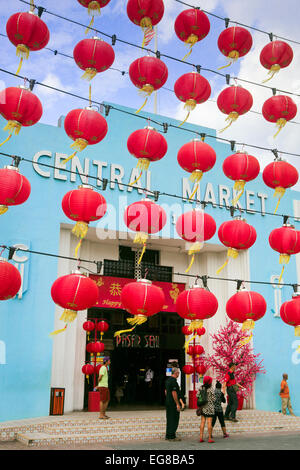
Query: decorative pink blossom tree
<point x="232" y="344"/>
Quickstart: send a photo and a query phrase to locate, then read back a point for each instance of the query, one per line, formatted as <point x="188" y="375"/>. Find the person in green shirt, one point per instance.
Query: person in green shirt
<point x="103" y="388"/>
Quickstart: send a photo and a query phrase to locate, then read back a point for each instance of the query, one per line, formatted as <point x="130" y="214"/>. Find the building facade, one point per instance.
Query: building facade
<point x="32" y="362"/>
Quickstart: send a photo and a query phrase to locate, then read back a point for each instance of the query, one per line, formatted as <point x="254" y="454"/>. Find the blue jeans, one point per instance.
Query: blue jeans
<point x="232" y="403"/>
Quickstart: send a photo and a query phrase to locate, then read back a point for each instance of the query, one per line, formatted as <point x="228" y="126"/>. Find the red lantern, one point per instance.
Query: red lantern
<point x="88" y="326"/>
<point x="195" y="227"/>
<point x="86" y="127"/>
<point x="148" y="74"/>
<point x="147" y="145"/>
<point x="246" y="307"/>
<point x="191" y="26"/>
<point x="234" y="42"/>
<point x="14" y="188"/>
<point x="28" y="33"/>
<point x="88" y="370"/>
<point x="20" y="107"/>
<point x="83" y="205"/>
<point x="98" y="347"/>
<point x="196" y="304"/>
<point x="279" y="109"/>
<point x="241" y="168"/>
<point x="144" y="217"/>
<point x="190" y="351"/>
<point x="10" y="280"/>
<point x="237" y="235"/>
<point x="146" y="14"/>
<point x="286" y="241"/>
<point x="198" y="350"/>
<point x="280" y="175"/>
<point x="93" y="56"/>
<point x="89" y="348"/>
<point x="290" y="313"/>
<point x="73" y="292"/>
<point x="201" y="331"/>
<point x="201" y="369"/>
<point x="234" y="101"/>
<point x="141" y="299"/>
<point x="192" y="89"/>
<point x="94" y="8"/>
<point x="186" y="330"/>
<point x="102" y="326"/>
<point x="188" y="369"/>
<point x="275" y="56"/>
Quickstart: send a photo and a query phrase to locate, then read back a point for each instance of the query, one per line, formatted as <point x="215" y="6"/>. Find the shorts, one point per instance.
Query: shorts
<point x="104" y="394"/>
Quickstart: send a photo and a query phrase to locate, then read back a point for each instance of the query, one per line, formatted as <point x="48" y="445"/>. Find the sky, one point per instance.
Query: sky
<point x="111" y="86"/>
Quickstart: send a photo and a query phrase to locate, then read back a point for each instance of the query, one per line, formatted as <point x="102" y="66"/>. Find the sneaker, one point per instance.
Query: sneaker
<point x="210" y="441"/>
<point x="225" y="435"/>
<point x="202" y="440"/>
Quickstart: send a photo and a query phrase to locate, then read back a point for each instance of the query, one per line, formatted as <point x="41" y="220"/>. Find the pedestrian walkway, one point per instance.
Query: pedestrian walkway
<point x="124" y="426"/>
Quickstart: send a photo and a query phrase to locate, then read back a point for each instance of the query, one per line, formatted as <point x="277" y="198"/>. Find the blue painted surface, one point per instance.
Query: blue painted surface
<point x="25" y="346"/>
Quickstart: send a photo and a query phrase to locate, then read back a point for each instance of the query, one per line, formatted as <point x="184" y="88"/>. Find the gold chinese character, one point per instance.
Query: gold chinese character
<point x="115" y="289"/>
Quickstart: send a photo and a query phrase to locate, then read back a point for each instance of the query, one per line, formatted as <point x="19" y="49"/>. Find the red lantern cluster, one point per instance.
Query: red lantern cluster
<point x="93" y="56"/>
<point x="188" y="369"/>
<point x="10" y="280"/>
<point x="234" y="101"/>
<point x="246" y="307"/>
<point x="148" y="74"/>
<point x="234" y="42"/>
<point x="146" y="14"/>
<point x="196" y="350"/>
<point x="241" y="168"/>
<point x="14" y="188"/>
<point x="73" y="292"/>
<point x="280" y="175"/>
<point x="237" y="235"/>
<point x="192" y="89"/>
<point x="191" y="26"/>
<point x="279" y="109"/>
<point x="286" y="241"/>
<point x="28" y="32"/>
<point x="290" y="313"/>
<point x="275" y="56"/>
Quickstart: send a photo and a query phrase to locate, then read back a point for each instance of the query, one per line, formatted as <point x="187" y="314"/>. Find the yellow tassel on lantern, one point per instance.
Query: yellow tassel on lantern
<point x="6" y="140"/>
<point x="232" y="117"/>
<point x="245" y="341"/>
<point x="79" y="145"/>
<point x="280" y="124"/>
<point x="191" y="41"/>
<point x="68" y="316"/>
<point x="135" y="321"/>
<point x="143" y="165"/>
<point x="233" y="56"/>
<point x="283" y="259"/>
<point x="248" y="325"/>
<point x="93" y="10"/>
<point x="13" y="127"/>
<point x="80" y="229"/>
<point x="195" y="324"/>
<point x="231" y="253"/>
<point x="22" y="51"/>
<point x="190" y="105"/>
<point x="279" y="192"/>
<point x="141" y="238"/>
<point x="195" y="248"/>
<point x="186" y="344"/>
<point x="272" y="72"/>
<point x="89" y="74"/>
<point x="3" y="209"/>
<point x="147" y="90"/>
<point x="297" y="330"/>
<point x="57" y="332"/>
<point x="239" y="186"/>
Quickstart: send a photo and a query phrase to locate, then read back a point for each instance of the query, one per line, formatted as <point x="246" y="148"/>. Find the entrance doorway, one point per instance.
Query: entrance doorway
<point x="150" y="345"/>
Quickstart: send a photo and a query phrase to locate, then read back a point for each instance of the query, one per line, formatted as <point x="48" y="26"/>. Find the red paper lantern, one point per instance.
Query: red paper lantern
<point x="195" y="227"/>
<point x="234" y="42"/>
<point x="280" y="175"/>
<point x="14" y="188"/>
<point x="279" y="109"/>
<point x="148" y="74"/>
<point x="234" y="101"/>
<point x="188" y="369"/>
<point x="94" y="8"/>
<point x="144" y="217"/>
<point x="88" y="326"/>
<point x="147" y="145"/>
<point x="201" y="369"/>
<point x="201" y="331"/>
<point x="88" y="370"/>
<point x="102" y="326"/>
<point x="286" y="241"/>
<point x="10" y="280"/>
<point x="191" y="26"/>
<point x="237" y="235"/>
<point x="73" y="292"/>
<point x="93" y="56"/>
<point x="198" y="350"/>
<point x="20" y="107"/>
<point x="146" y="14"/>
<point x="28" y="33"/>
<point x="142" y="299"/>
<point x="290" y="312"/>
<point x="196" y="157"/>
<point x="192" y="89"/>
<point x="89" y="348"/>
<point x="241" y="168"/>
<point x="186" y="330"/>
<point x="98" y="347"/>
<point x="275" y="56"/>
<point x="196" y="304"/>
<point x="86" y="127"/>
<point x="246" y="307"/>
<point x="83" y="205"/>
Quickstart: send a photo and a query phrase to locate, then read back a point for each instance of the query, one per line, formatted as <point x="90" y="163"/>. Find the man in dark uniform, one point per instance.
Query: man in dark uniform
<point x="172" y="392"/>
<point x="232" y="387"/>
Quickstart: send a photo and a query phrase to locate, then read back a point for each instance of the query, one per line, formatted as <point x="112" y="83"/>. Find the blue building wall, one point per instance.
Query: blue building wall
<point x="25" y="324"/>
